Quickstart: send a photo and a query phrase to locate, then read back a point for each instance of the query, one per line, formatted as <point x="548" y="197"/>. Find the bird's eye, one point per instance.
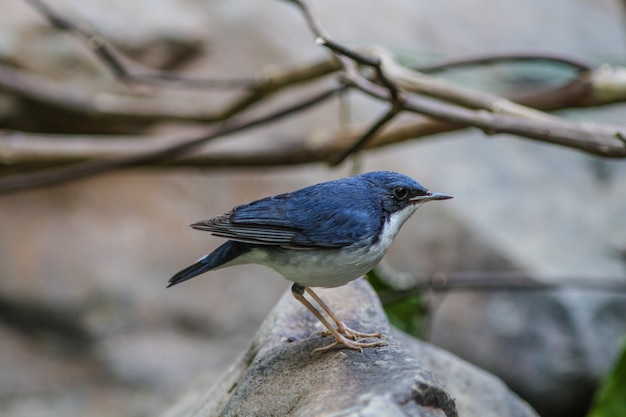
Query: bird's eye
<point x="400" y="192"/>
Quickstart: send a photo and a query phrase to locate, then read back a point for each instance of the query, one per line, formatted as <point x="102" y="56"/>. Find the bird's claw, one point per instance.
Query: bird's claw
<point x="354" y="345"/>
<point x="350" y="338"/>
<point x="355" y="335"/>
<point x="349" y="333"/>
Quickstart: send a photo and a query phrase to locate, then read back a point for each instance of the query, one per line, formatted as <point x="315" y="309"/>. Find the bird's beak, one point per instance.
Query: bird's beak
<point x="430" y="196"/>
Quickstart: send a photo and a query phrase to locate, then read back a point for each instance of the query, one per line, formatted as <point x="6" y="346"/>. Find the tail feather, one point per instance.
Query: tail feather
<point x="225" y="253"/>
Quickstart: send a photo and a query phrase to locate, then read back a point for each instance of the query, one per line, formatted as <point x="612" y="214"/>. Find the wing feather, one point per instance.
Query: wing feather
<point x="322" y="216"/>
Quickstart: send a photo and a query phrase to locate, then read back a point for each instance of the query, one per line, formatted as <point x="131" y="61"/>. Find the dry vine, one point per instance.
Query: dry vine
<point x="437" y="106"/>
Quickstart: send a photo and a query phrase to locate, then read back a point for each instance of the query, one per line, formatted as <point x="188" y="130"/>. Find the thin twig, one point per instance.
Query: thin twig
<point x="412" y="81"/>
<point x="24" y="150"/>
<point x="591" y="137"/>
<point x="55" y="176"/>
<point x="577" y="63"/>
<point x="29" y="151"/>
<point x="373" y="130"/>
<point x="271" y="81"/>
<point x="312" y="21"/>
<point x="342" y="52"/>
<point x="490" y="281"/>
<point x="113" y="107"/>
<point x="113" y="61"/>
<point x="346" y="55"/>
<point x="598" y="139"/>
<point x="594" y="138"/>
<point x="370" y="61"/>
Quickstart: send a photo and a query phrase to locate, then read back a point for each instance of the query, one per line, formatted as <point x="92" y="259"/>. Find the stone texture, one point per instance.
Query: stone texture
<point x="561" y="342"/>
<point x="280" y="376"/>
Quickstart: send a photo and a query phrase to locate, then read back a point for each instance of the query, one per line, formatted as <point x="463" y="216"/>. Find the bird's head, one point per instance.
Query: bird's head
<point x="399" y="193"/>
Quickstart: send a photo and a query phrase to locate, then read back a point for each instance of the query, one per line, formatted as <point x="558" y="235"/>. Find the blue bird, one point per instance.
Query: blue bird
<point x="324" y="235"/>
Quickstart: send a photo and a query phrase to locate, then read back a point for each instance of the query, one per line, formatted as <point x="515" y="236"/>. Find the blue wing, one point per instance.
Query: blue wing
<point x="328" y="215"/>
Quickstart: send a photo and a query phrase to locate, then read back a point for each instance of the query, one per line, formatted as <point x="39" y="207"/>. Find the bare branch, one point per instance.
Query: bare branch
<point x="373" y="71"/>
<point x="503" y="116"/>
<point x="496" y="58"/>
<point x="272" y="80"/>
<point x="54" y="176"/>
<point x="150" y="109"/>
<point x="311" y="19"/>
<point x="605" y="84"/>
<point x="33" y="151"/>
<point x="416" y="82"/>
<point x="513" y="280"/>
<point x="112" y="59"/>
<point x="348" y="57"/>
<point x="596" y="138"/>
<point x="371" y="132"/>
<point x="373" y="62"/>
<point x="98" y="105"/>
<point x="485" y="281"/>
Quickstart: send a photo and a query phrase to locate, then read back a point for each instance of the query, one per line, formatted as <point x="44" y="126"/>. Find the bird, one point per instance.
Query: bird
<point x="324" y="235"/>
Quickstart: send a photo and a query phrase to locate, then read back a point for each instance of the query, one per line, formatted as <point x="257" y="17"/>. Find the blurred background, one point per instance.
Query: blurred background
<point x="86" y="324"/>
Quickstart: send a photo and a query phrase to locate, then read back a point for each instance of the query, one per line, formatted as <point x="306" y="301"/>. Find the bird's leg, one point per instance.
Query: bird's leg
<point x="341" y="326"/>
<point x="298" y="293"/>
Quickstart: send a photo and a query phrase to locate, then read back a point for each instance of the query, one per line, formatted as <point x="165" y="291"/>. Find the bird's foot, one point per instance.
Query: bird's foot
<point x="350" y="344"/>
<point x="350" y="338"/>
<point x="343" y="334"/>
<point x="356" y="335"/>
<point x="351" y="333"/>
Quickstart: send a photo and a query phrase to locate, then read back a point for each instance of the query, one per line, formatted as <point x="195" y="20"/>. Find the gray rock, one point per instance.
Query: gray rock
<point x="280" y="376"/>
<point x="552" y="348"/>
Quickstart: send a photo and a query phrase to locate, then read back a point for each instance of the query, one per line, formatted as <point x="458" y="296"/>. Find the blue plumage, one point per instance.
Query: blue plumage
<point x="328" y="215"/>
<point x="323" y="235"/>
<point x="225" y="253"/>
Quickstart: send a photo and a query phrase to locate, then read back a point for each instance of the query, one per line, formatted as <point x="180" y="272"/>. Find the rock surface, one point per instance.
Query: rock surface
<point x="280" y="376"/>
<point x="562" y="341"/>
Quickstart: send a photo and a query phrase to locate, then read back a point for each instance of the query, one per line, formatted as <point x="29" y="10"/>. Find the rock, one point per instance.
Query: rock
<point x="280" y="376"/>
<point x="552" y="348"/>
